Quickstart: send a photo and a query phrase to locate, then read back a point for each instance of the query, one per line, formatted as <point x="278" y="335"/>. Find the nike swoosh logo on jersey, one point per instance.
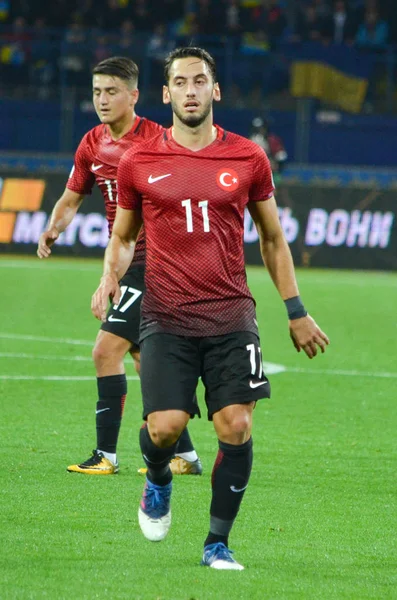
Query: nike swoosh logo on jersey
<point x="255" y="385"/>
<point x="152" y="179"/>
<point x="113" y="319"/>
<point x="95" y="167"/>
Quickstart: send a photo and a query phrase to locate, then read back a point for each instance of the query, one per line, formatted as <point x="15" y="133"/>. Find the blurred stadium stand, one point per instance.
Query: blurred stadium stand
<point x="322" y="72"/>
<point x="317" y="75"/>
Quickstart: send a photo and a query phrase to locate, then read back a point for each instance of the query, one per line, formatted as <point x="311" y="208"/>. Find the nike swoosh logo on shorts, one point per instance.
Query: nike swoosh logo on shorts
<point x="255" y="385"/>
<point x="95" y="167"/>
<point x="113" y="319"/>
<point x="152" y="179"/>
<point x="234" y="489"/>
<point x="101" y="410"/>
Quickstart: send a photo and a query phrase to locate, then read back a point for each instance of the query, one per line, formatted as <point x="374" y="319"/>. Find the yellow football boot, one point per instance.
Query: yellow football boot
<point x="97" y="464"/>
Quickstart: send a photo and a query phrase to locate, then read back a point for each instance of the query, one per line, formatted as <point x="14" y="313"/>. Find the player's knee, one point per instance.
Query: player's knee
<point x="163" y="438"/>
<point x="109" y="349"/>
<point x="165" y="429"/>
<point x="240" y="423"/>
<point x="165" y="434"/>
<point x="100" y="352"/>
<point x="233" y="423"/>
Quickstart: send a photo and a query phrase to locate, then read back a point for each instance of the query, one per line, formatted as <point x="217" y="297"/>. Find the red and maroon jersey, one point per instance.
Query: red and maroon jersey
<point x="96" y="161"/>
<point x="193" y="211"/>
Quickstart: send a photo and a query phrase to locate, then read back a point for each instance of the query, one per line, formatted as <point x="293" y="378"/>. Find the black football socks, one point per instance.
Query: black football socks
<point x="230" y="478"/>
<point x="157" y="459"/>
<point x="112" y="391"/>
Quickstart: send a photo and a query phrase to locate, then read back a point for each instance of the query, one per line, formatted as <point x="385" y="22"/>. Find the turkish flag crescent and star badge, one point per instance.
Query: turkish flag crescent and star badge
<point x="227" y="179"/>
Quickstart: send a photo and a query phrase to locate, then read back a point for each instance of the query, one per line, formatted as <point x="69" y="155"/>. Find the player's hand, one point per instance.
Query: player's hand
<point x="108" y="289"/>
<point x="307" y="336"/>
<point x="46" y="240"/>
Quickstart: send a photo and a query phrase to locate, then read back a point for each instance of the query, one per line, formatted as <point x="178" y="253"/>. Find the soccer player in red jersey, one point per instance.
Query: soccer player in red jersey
<point x="115" y="94"/>
<point x="190" y="185"/>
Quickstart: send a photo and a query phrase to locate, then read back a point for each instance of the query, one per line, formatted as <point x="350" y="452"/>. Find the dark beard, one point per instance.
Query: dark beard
<point x="192" y="120"/>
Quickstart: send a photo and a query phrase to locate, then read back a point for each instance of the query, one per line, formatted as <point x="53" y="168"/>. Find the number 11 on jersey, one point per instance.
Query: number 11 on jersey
<point x="189" y="214"/>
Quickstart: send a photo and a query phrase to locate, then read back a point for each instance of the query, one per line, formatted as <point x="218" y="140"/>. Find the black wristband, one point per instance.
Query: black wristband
<point x="295" y="308"/>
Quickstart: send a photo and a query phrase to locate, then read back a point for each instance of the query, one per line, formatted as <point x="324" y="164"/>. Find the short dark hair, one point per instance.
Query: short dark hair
<point x="118" y="66"/>
<point x="187" y="52"/>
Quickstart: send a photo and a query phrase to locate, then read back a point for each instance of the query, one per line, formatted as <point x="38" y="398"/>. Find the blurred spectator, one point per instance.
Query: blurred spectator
<point x="321" y="8"/>
<point x="207" y="15"/>
<point x="73" y="61"/>
<point x="59" y="13"/>
<point x="23" y="8"/>
<point x="89" y="15"/>
<point x="102" y="49"/>
<point x="44" y="57"/>
<point x="172" y="10"/>
<point x="235" y="96"/>
<point x="373" y="33"/>
<point x="114" y="15"/>
<point x="392" y="23"/>
<point x="142" y="16"/>
<point x="160" y="44"/>
<point x="275" y="20"/>
<point x="188" y="32"/>
<point x="126" y="40"/>
<point x="232" y="18"/>
<point x="268" y="17"/>
<point x="271" y="143"/>
<point x="19" y="34"/>
<point x="168" y="11"/>
<point x="250" y="67"/>
<point x="255" y="43"/>
<point x="191" y="35"/>
<point x="341" y="26"/>
<point x="14" y="52"/>
<point x="309" y="26"/>
<point x="4" y="10"/>
<point x="359" y="7"/>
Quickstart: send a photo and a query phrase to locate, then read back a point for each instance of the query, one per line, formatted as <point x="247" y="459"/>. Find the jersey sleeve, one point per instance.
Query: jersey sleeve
<point x="262" y="184"/>
<point x="128" y="196"/>
<point x="81" y="179"/>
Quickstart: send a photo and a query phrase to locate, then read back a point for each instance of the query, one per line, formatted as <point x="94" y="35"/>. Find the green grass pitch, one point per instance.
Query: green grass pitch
<point x="319" y="518"/>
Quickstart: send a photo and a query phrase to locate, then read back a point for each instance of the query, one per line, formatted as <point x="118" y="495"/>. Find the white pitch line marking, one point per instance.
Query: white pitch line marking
<point x="269" y="368"/>
<point x="44" y="357"/>
<point x="382" y="375"/>
<point x="55" y="378"/>
<point x="273" y="369"/>
<point x="36" y="338"/>
<point x="346" y="373"/>
<point x="51" y="266"/>
<point x="255" y="273"/>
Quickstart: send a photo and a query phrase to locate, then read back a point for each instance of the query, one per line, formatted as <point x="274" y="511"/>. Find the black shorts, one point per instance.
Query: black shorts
<point x="123" y="319"/>
<point x="230" y="367"/>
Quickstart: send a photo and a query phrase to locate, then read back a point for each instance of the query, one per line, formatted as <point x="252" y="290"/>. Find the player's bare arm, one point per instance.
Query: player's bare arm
<point x="118" y="257"/>
<point x="62" y="215"/>
<point x="304" y="331"/>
